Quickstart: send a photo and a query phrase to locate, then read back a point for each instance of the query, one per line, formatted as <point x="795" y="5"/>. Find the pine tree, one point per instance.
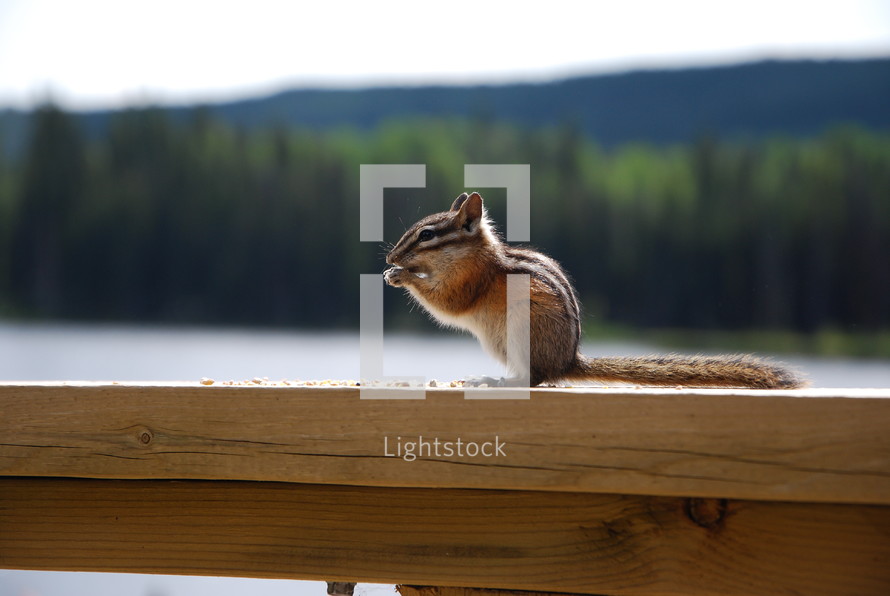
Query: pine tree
<point x="52" y="186"/>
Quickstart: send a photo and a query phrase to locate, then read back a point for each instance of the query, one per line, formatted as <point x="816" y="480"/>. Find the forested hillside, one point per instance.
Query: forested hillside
<point x="797" y="98"/>
<point x="660" y="106"/>
<point x="199" y="221"/>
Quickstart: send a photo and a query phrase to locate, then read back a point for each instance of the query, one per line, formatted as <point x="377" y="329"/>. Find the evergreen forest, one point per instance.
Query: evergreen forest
<point x="196" y="220"/>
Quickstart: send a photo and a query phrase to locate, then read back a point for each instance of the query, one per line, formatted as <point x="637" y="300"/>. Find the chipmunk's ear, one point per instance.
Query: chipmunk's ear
<point x="458" y="202"/>
<point x="470" y="211"/>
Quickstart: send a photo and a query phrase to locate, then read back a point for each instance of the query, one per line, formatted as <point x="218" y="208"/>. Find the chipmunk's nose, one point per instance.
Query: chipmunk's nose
<point x="392" y="257"/>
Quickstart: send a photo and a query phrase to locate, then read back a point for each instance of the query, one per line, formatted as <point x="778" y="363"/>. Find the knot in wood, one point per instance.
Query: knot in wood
<point x="707" y="513"/>
<point x="146" y="436"/>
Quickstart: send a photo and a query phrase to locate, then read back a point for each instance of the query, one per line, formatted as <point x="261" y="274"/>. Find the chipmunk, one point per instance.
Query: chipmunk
<point x="455" y="265"/>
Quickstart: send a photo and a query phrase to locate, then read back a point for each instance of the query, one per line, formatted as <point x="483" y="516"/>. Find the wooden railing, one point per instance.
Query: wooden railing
<point x="588" y="491"/>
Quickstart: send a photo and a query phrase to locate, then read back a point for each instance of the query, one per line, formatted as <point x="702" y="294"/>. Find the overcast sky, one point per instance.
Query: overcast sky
<point x="101" y="53"/>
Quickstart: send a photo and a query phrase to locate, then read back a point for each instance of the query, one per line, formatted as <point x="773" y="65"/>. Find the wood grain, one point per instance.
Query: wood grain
<point x="406" y="590"/>
<point x="511" y="540"/>
<point x="806" y="446"/>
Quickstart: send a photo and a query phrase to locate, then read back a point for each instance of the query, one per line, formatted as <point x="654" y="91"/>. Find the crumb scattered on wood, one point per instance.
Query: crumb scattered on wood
<point x="266" y="382"/>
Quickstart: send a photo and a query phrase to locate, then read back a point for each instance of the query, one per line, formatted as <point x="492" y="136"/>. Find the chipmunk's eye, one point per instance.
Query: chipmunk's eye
<point x="426" y="235"/>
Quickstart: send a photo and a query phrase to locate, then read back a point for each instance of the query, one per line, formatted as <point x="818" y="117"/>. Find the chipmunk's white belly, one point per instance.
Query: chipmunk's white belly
<point x="464" y="322"/>
<point x="490" y="338"/>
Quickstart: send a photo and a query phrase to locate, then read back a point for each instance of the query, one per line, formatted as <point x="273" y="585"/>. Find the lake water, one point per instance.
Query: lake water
<point x="126" y="353"/>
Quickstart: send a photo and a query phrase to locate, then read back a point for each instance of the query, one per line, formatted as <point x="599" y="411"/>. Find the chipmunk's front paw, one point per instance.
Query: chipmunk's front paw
<point x="394" y="276"/>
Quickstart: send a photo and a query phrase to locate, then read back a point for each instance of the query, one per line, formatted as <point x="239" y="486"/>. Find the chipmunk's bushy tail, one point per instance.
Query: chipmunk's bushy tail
<point x="694" y="371"/>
